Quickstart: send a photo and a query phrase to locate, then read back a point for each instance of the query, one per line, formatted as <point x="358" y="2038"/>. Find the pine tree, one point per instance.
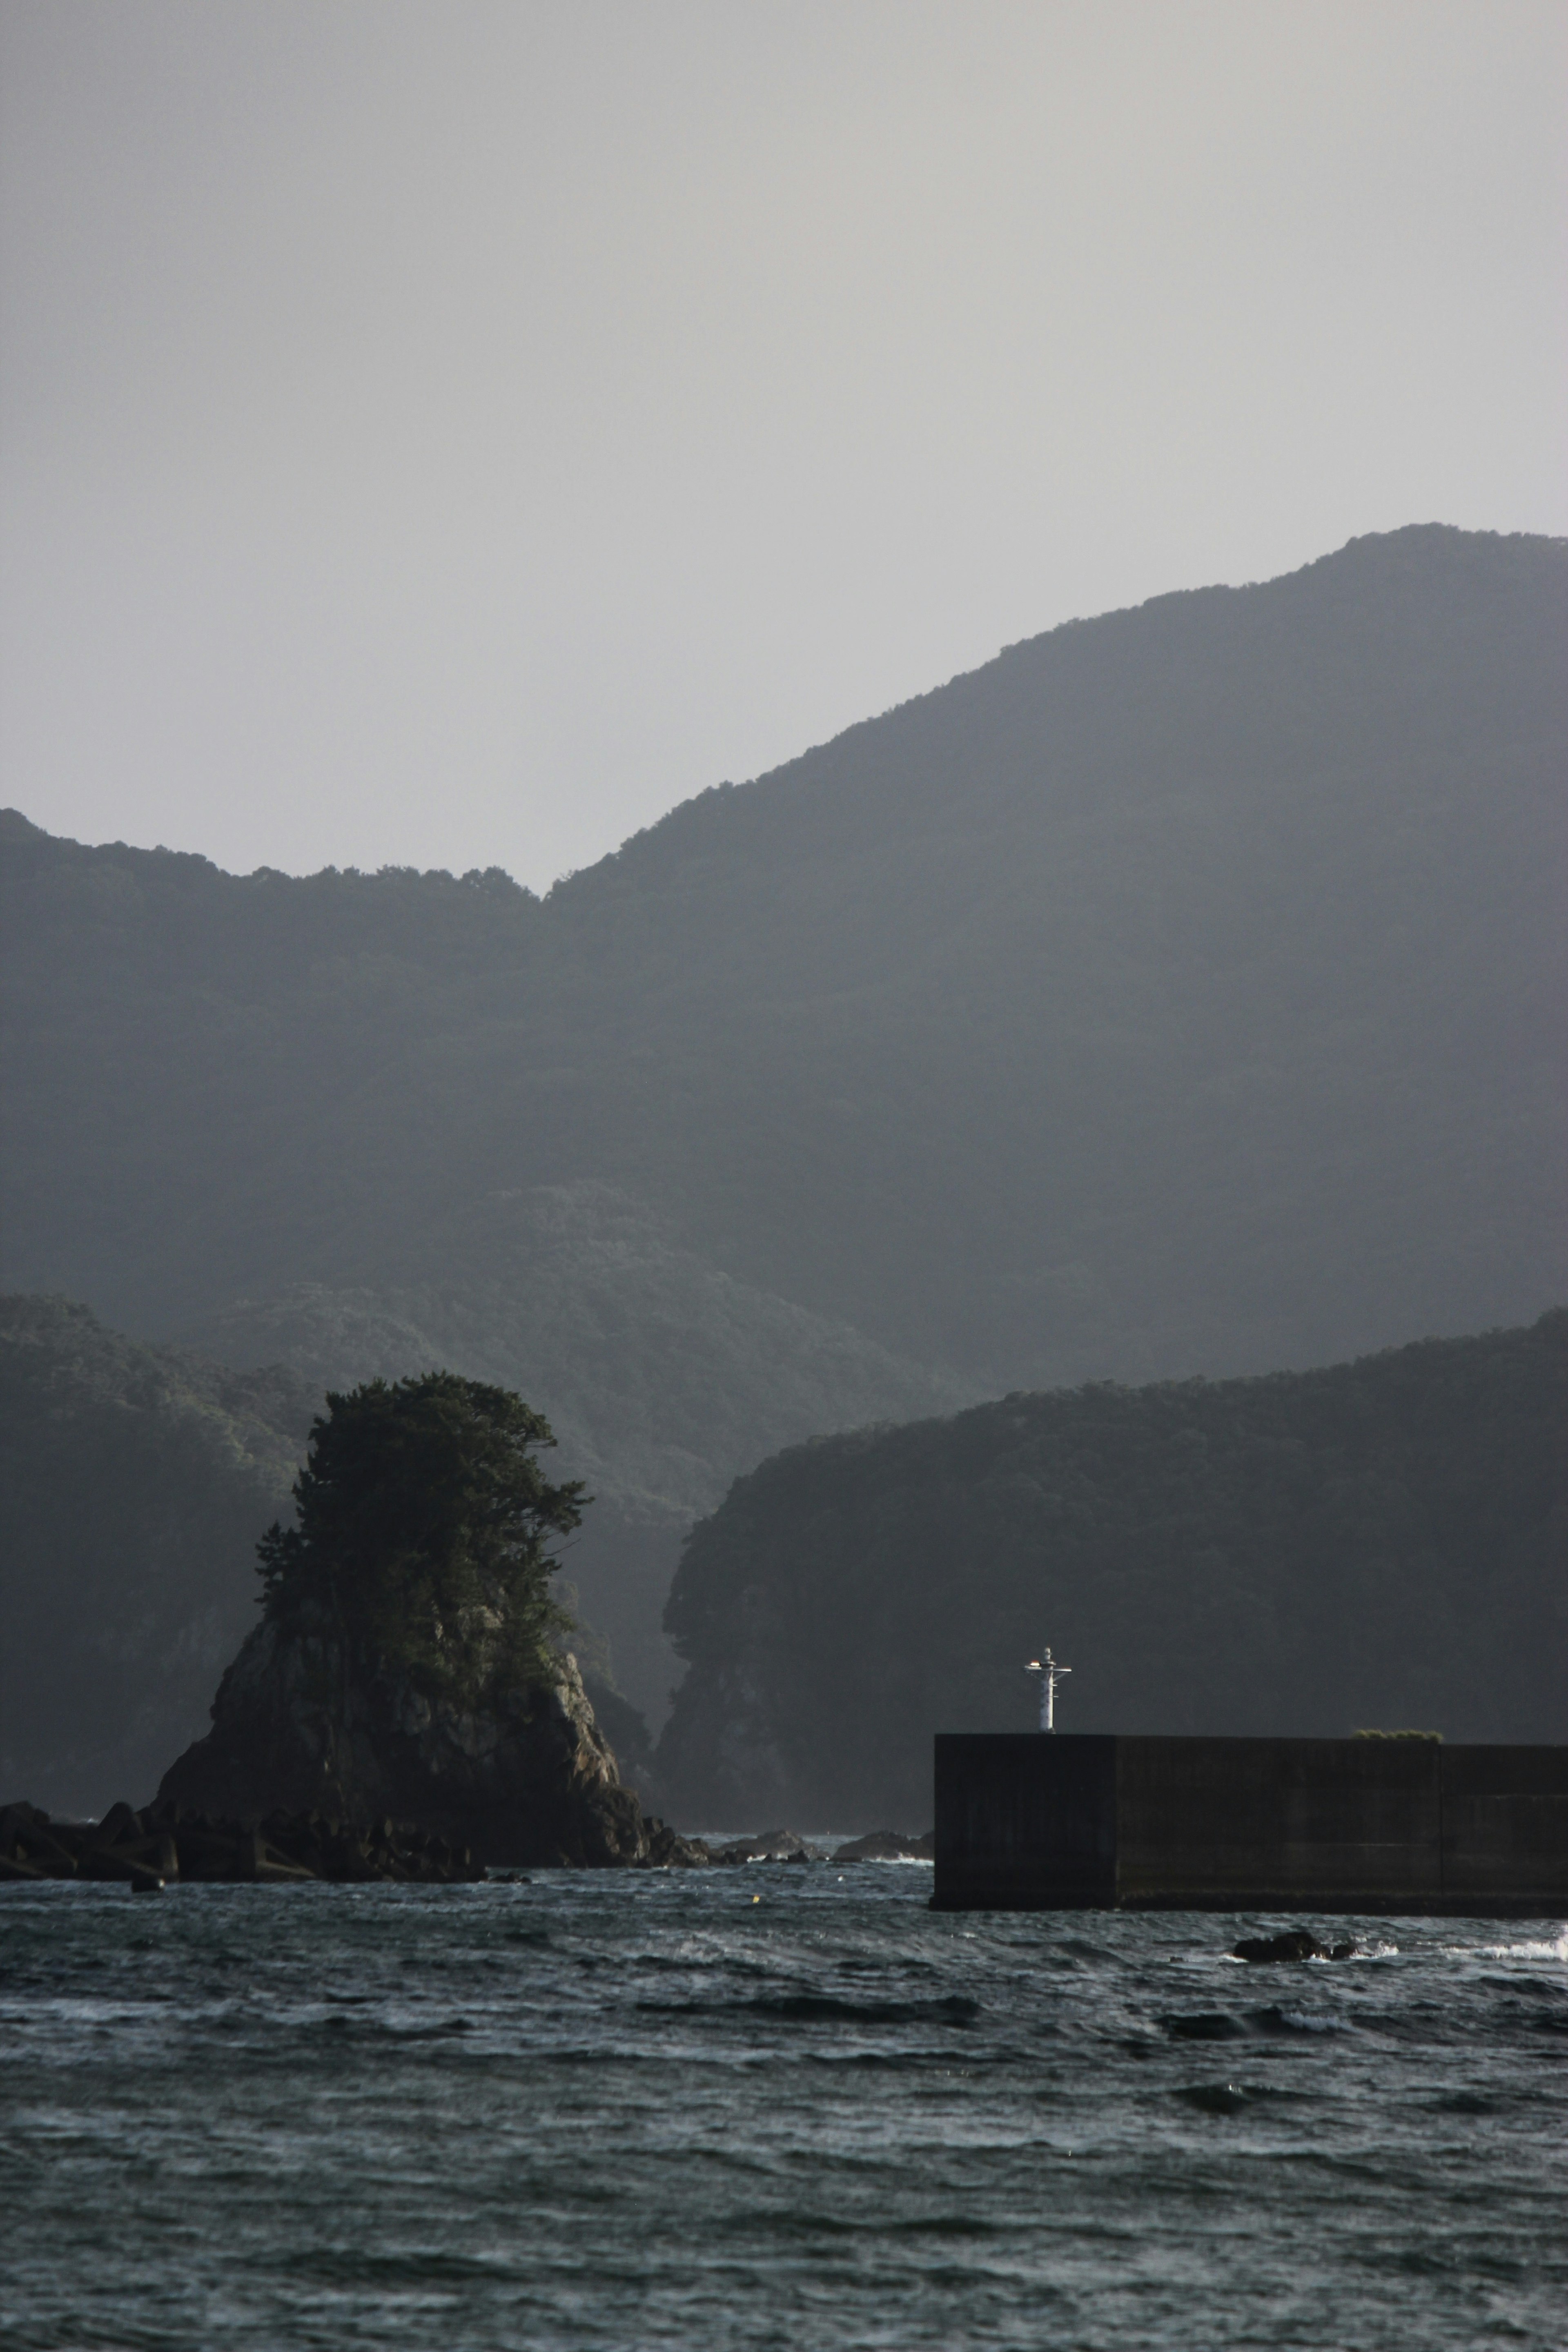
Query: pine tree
<point x="423" y="1528"/>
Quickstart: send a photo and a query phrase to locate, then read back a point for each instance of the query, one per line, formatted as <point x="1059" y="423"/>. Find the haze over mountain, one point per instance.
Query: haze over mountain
<point x="1179" y="993"/>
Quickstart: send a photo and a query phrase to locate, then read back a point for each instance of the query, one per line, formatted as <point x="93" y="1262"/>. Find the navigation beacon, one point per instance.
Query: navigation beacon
<point x="1050" y="1674"/>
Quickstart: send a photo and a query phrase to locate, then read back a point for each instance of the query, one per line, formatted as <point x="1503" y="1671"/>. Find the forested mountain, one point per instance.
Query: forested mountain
<point x="133" y="1484"/>
<point x="664" y="1377"/>
<point x="1179" y="992"/>
<point x="1382" y="1544"/>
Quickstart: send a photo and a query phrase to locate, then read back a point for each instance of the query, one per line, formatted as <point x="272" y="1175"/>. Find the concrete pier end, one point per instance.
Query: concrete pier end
<point x="1037" y="1821"/>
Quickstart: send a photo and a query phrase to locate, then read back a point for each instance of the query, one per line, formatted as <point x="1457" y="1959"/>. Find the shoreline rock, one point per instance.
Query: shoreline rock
<point x="1294" y="1944"/>
<point x="770" y="1845"/>
<point x="165" y="1843"/>
<point x="151" y="1849"/>
<point x="887" y="1845"/>
<point x="305" y="1724"/>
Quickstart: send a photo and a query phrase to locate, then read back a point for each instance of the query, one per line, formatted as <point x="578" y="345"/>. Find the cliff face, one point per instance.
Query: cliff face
<point x="304" y="1722"/>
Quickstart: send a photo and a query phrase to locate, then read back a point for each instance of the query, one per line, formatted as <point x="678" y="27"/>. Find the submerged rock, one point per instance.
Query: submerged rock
<point x="1295" y="1944"/>
<point x="769" y="1845"/>
<point x="307" y="1724"/>
<point x="887" y="1845"/>
<point x="1215" y="2098"/>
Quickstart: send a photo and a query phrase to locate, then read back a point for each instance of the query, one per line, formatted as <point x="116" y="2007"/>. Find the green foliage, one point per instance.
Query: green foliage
<point x="1293" y="1555"/>
<point x="423" y="1521"/>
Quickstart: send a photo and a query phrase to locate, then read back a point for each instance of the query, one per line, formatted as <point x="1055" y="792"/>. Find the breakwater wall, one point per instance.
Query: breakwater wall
<point x="1039" y="1821"/>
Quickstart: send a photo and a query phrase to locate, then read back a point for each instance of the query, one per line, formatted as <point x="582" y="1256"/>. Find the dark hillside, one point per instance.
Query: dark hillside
<point x="1383" y="1544"/>
<point x="133" y="1485"/>
<point x="1179" y="990"/>
<point x="216" y="1081"/>
<point x="661" y="1377"/>
<point x="1182" y="992"/>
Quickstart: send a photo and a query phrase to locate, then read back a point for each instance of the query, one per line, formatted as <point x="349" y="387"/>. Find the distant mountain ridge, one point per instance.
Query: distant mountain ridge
<point x="1181" y="992"/>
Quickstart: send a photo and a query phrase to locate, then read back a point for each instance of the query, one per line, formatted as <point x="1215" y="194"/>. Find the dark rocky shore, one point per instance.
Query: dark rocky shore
<point x="165" y="1841"/>
<point x="168" y="1841"/>
<point x="786" y="1845"/>
<point x="147" y="1850"/>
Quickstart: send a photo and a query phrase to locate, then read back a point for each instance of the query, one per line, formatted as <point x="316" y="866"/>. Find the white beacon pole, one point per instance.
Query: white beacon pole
<point x="1050" y="1674"/>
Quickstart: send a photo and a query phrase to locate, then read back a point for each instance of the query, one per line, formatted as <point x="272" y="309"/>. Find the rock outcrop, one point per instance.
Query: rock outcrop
<point x="771" y="1846"/>
<point x="306" y="1723"/>
<point x="1295" y="1944"/>
<point x="887" y="1845"/>
<point x="147" y="1851"/>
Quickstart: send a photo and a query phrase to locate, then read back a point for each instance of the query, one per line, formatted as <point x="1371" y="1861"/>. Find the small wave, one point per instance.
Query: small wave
<point x="1275" y="2020"/>
<point x="1222" y="2025"/>
<point x="1532" y="1948"/>
<point x="951" y="2009"/>
<point x="1208" y="2025"/>
<point x="1216" y="2098"/>
<point x="827" y="2009"/>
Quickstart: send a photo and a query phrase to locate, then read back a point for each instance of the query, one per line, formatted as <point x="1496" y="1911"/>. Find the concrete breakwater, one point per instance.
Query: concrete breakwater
<point x="1035" y="1821"/>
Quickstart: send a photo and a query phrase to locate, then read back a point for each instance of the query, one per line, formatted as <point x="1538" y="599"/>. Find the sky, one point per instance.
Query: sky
<point x="449" y="433"/>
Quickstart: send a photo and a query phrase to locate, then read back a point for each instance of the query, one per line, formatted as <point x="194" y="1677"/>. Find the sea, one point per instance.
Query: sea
<point x="766" y="2105"/>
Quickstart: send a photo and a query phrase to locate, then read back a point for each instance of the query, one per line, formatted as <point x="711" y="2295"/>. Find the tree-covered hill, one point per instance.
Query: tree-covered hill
<point x="661" y="1377"/>
<point x="1382" y="1544"/>
<point x="1181" y="992"/>
<point x="133" y="1484"/>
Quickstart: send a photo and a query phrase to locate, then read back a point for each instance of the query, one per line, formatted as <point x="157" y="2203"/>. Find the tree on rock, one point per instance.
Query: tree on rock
<point x="423" y="1535"/>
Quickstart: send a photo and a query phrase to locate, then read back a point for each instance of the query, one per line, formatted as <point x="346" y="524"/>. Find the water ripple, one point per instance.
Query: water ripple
<point x="597" y="2110"/>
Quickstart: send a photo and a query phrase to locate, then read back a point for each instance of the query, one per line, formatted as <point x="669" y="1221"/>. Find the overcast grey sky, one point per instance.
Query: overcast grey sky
<point x="449" y="433"/>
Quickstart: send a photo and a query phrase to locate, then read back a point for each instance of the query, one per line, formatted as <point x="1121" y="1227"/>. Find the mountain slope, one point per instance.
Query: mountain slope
<point x="133" y="1484"/>
<point x="1382" y="1543"/>
<point x="661" y="1378"/>
<point x="1179" y="992"/>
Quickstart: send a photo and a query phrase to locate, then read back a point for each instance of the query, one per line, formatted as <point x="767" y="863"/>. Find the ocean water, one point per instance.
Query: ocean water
<point x="767" y="2107"/>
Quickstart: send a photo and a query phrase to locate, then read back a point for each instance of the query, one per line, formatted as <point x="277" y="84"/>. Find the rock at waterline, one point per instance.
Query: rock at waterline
<point x="1295" y="1944"/>
<point x="770" y="1845"/>
<point x="307" y="1723"/>
<point x="147" y="1850"/>
<point x="887" y="1845"/>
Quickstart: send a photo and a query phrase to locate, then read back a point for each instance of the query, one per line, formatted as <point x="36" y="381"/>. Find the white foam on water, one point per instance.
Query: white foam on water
<point x="1531" y="1948"/>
